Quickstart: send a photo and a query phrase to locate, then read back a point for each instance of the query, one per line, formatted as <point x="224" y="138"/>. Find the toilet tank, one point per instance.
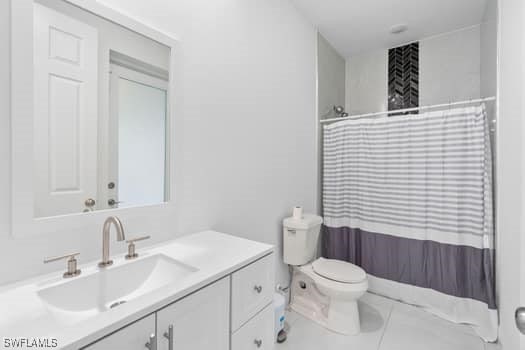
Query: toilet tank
<point x="300" y="239"/>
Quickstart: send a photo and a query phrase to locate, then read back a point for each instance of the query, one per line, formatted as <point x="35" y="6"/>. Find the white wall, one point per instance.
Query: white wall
<point x="449" y="67"/>
<point x="330" y="78"/>
<point x="489" y="54"/>
<point x="449" y="70"/>
<point x="246" y="123"/>
<point x="367" y="82"/>
<point x="489" y="50"/>
<point x="511" y="158"/>
<point x="330" y="92"/>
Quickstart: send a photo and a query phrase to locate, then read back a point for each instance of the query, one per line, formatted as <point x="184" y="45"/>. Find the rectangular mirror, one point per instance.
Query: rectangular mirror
<point x="100" y="113"/>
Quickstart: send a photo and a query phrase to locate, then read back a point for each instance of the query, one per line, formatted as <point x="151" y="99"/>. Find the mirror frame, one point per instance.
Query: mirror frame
<point x="23" y="221"/>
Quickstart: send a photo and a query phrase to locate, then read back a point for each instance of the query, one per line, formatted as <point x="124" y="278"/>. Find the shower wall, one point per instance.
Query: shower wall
<point x="489" y="48"/>
<point x="403" y="77"/>
<point x="449" y="70"/>
<point x="367" y="82"/>
<point x="331" y="78"/>
<point x="489" y="53"/>
<point x="330" y="92"/>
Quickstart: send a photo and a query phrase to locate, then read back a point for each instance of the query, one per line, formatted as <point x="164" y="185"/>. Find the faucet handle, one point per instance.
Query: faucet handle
<point x="131" y="246"/>
<point x="56" y="258"/>
<point x="71" y="264"/>
<point x="133" y="240"/>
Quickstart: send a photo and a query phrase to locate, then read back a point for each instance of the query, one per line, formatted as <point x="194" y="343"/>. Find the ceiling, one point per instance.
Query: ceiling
<point x="354" y="26"/>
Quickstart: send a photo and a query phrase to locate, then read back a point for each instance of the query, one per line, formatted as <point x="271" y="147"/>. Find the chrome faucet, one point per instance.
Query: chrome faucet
<point x="105" y="238"/>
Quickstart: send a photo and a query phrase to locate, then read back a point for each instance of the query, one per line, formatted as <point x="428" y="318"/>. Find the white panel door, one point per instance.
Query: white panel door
<point x="65" y="67"/>
<point x="137" y="129"/>
<point x="132" y="337"/>
<point x="200" y="321"/>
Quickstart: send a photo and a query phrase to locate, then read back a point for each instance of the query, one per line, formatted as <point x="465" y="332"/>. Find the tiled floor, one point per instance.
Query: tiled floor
<point x="385" y="325"/>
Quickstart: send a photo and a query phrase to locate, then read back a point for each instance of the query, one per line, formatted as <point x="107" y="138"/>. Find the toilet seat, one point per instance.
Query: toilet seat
<point x="338" y="271"/>
<point x="332" y="288"/>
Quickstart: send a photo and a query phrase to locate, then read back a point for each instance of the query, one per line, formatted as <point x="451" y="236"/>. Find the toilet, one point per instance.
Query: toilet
<point x="323" y="290"/>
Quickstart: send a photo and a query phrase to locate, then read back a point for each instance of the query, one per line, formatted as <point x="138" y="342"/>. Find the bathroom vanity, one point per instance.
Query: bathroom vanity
<point x="202" y="291"/>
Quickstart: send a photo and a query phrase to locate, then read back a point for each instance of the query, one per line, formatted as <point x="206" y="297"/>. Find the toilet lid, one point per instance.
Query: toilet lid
<point x="340" y="271"/>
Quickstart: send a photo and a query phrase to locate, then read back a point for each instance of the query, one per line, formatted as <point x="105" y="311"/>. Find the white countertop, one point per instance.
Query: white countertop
<point x="215" y="255"/>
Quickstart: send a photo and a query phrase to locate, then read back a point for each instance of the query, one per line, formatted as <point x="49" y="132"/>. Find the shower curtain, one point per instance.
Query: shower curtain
<point x="409" y="199"/>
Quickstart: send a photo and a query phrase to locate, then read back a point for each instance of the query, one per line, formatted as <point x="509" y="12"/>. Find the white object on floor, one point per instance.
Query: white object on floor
<point x="385" y="325"/>
<point x="279" y="305"/>
<point x="324" y="290"/>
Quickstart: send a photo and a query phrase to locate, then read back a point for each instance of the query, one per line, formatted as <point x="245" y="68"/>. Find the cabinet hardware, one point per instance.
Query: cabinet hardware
<point x="520" y="319"/>
<point x="152" y="344"/>
<point x="169" y="335"/>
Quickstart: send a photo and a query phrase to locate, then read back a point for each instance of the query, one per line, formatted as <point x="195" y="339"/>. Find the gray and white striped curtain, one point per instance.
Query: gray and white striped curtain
<point x="409" y="199"/>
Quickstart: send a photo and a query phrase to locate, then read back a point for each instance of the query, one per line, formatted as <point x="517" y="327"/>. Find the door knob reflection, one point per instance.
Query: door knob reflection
<point x="90" y="205"/>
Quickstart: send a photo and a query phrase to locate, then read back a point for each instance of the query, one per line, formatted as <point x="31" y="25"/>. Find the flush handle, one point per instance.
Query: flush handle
<point x="258" y="289"/>
<point x="258" y="342"/>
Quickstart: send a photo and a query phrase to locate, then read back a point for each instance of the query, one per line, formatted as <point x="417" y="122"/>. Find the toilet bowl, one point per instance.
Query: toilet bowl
<point x="339" y="279"/>
<point x="324" y="290"/>
<point x="330" y="301"/>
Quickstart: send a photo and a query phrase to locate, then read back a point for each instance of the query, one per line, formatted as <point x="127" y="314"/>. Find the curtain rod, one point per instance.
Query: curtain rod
<point x="359" y="116"/>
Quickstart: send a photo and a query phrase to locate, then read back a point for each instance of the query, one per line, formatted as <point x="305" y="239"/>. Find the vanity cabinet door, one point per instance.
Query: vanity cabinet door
<point x="257" y="333"/>
<point x="132" y="337"/>
<point x="252" y="290"/>
<point x="200" y="321"/>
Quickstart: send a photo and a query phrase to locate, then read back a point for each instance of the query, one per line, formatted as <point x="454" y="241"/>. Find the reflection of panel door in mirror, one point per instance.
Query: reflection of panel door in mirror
<point x="137" y="129"/>
<point x="65" y="126"/>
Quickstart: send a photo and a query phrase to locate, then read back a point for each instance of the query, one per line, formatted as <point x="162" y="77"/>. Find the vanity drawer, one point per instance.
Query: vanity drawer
<point x="252" y="290"/>
<point x="257" y="334"/>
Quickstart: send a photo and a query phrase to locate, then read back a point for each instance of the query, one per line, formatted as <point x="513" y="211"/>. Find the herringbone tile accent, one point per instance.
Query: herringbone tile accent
<point x="403" y="77"/>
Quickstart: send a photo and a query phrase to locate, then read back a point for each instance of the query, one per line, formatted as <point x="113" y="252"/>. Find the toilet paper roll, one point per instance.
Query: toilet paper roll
<point x="298" y="213"/>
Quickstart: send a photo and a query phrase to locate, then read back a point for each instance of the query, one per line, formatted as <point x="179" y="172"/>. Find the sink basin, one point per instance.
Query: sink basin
<point x="116" y="285"/>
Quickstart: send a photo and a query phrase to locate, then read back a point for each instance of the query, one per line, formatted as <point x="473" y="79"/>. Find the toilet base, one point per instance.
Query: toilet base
<point x="343" y="317"/>
<point x="339" y="316"/>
